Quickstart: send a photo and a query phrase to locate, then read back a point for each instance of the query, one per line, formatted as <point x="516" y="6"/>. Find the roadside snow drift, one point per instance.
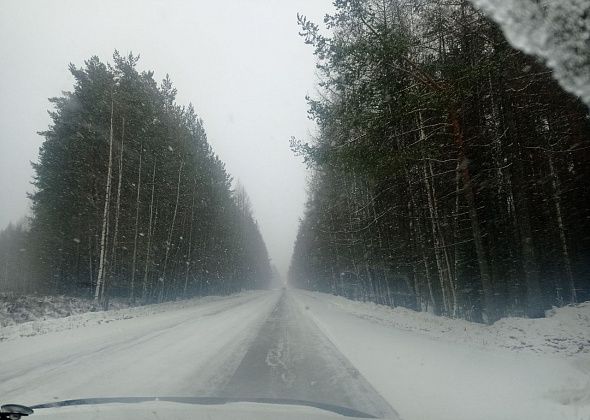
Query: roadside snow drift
<point x="16" y="309"/>
<point x="59" y="313"/>
<point x="430" y="367"/>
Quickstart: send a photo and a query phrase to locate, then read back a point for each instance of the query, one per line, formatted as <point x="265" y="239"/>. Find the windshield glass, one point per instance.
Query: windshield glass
<point x="369" y="208"/>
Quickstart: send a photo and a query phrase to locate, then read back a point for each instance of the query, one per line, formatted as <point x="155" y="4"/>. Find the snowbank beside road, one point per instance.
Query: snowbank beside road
<point x="565" y="331"/>
<point x="57" y="318"/>
<point x="429" y="367"/>
<point x="16" y="309"/>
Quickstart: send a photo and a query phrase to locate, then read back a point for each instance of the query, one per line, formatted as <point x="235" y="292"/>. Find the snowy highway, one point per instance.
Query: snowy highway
<point x="189" y="351"/>
<point x="308" y="346"/>
<point x="291" y="358"/>
<point x="256" y="345"/>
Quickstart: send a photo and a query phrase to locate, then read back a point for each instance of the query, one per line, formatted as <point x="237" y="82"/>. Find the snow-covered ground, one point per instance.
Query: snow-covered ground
<point x="565" y="331"/>
<point x="429" y="367"/>
<point x="59" y="313"/>
<point x="176" y="349"/>
<point x="309" y="346"/>
<point x="252" y="345"/>
<point x="16" y="309"/>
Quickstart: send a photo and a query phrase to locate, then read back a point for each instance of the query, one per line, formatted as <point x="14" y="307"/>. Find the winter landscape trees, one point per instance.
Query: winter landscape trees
<point x="449" y="174"/>
<point x="450" y="170"/>
<point x="130" y="200"/>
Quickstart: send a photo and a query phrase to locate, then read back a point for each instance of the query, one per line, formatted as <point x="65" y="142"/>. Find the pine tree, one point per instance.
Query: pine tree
<point x="97" y="224"/>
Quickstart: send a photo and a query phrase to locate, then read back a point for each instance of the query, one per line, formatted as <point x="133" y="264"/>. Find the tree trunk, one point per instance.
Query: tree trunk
<point x="90" y="269"/>
<point x="190" y="243"/>
<point x="490" y="309"/>
<point x="105" y="217"/>
<point x="529" y="260"/>
<point x="149" y="242"/>
<point x="117" y="213"/>
<point x="170" y="233"/>
<point x="134" y="258"/>
<point x="441" y="276"/>
<point x="555" y="184"/>
<point x="444" y="248"/>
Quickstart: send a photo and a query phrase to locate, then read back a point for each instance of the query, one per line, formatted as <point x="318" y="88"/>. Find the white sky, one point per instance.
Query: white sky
<point x="241" y="63"/>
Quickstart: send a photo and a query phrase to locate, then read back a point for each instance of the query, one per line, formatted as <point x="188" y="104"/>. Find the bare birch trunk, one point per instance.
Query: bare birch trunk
<point x="421" y="244"/>
<point x="190" y="243"/>
<point x="149" y="244"/>
<point x="170" y="232"/>
<point x="444" y="247"/>
<point x="455" y="233"/>
<point x="433" y="222"/>
<point x="117" y="213"/>
<point x="105" y="217"/>
<point x="134" y="258"/>
<point x="441" y="276"/>
<point x="90" y="263"/>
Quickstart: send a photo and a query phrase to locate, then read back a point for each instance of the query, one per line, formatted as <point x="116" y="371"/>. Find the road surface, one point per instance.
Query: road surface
<point x="255" y="345"/>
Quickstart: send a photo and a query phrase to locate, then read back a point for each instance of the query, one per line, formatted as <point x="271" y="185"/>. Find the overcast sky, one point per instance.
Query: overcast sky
<point x="240" y="62"/>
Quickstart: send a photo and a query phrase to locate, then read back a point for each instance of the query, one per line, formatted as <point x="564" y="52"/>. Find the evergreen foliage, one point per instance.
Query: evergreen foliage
<point x="130" y="199"/>
<point x="450" y="171"/>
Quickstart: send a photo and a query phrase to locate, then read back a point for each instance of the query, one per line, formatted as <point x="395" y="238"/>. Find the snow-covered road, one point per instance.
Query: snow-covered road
<point x="188" y="351"/>
<point x="291" y="358"/>
<point x="308" y="346"/>
<point x="256" y="345"/>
